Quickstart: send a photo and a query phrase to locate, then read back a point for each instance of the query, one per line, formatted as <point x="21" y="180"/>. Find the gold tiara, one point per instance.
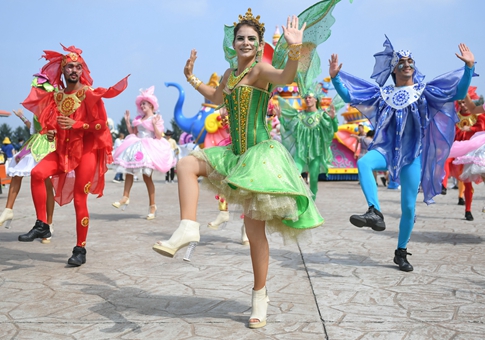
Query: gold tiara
<point x="249" y="17"/>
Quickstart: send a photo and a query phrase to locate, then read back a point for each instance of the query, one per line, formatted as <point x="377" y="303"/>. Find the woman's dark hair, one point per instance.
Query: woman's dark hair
<point x="252" y="24"/>
<point x="370" y="133"/>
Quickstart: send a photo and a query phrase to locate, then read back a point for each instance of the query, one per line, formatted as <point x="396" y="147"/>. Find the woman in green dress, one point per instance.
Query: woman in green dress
<point x="32" y="151"/>
<point x="254" y="171"/>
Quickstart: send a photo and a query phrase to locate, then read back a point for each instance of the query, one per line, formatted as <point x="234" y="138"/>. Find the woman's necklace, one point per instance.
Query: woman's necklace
<point x="233" y="80"/>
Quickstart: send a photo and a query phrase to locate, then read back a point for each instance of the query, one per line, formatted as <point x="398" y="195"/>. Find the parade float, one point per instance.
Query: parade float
<point x="344" y="165"/>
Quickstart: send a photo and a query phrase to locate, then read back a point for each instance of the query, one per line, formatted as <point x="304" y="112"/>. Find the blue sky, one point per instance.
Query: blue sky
<point x="152" y="39"/>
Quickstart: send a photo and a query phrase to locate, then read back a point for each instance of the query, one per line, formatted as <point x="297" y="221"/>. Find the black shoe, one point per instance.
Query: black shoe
<point x="400" y="258"/>
<point x="373" y="218"/>
<point x="384" y="181"/>
<point x="468" y="216"/>
<point x="40" y="230"/>
<point x="443" y="189"/>
<point x="78" y="256"/>
<point x="461" y="201"/>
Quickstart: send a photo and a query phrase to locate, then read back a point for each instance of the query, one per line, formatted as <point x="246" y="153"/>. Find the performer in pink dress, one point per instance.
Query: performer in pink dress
<point x="144" y="149"/>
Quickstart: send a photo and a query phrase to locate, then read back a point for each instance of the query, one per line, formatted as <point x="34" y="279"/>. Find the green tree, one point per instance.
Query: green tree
<point x="21" y="132"/>
<point x="121" y="127"/>
<point x="177" y="131"/>
<point x="479" y="102"/>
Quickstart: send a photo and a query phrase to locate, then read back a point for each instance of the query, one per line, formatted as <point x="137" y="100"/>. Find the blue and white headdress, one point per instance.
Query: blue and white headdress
<point x="387" y="60"/>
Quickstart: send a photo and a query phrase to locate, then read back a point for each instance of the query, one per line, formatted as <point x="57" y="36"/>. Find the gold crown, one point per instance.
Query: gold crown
<point x="249" y="17"/>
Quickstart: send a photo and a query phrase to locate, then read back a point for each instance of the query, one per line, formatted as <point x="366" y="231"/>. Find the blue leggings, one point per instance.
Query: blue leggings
<point x="410" y="178"/>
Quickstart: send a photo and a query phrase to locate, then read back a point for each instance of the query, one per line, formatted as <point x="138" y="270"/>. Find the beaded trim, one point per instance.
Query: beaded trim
<point x="233" y="80"/>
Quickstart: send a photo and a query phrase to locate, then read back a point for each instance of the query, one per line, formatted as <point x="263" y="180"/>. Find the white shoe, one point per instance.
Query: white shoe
<point x="244" y="237"/>
<point x="187" y="232"/>
<point x="151" y="215"/>
<point x="260" y="307"/>
<point x="221" y="219"/>
<point x="123" y="203"/>
<point x="6" y="217"/>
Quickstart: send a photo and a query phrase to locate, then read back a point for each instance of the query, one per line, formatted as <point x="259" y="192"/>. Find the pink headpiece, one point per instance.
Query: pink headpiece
<point x="148" y="96"/>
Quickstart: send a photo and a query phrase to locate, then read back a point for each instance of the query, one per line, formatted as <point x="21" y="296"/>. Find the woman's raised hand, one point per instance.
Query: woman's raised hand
<point x="291" y="32"/>
<point x="19" y="113"/>
<point x="155" y="119"/>
<point x="189" y="65"/>
<point x="127" y="116"/>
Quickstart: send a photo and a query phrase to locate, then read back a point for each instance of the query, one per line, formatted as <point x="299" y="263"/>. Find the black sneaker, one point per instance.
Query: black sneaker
<point x="443" y="189"/>
<point x="400" y="258"/>
<point x="40" y="230"/>
<point x="461" y="201"/>
<point x="384" y="181"/>
<point x="78" y="256"/>
<point x="373" y="218"/>
<point x="468" y="216"/>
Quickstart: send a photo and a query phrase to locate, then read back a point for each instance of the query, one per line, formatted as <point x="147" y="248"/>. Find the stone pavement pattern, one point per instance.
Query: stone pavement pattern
<point x="342" y="284"/>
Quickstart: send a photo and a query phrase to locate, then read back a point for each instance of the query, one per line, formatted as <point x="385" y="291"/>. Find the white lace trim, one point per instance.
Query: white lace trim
<point x="401" y="97"/>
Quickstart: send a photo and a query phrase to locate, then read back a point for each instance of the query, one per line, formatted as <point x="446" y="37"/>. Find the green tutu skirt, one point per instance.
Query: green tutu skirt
<point x="266" y="183"/>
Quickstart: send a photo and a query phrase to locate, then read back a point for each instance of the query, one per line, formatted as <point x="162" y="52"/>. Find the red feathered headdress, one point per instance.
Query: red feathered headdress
<point x="471" y="93"/>
<point x="56" y="61"/>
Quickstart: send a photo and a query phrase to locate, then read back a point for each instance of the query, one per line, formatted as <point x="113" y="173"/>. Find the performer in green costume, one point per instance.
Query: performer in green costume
<point x="31" y="153"/>
<point x="254" y="170"/>
<point x="307" y="134"/>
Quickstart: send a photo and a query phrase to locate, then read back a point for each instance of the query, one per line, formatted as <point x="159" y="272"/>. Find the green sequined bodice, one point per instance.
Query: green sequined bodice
<point x="247" y="107"/>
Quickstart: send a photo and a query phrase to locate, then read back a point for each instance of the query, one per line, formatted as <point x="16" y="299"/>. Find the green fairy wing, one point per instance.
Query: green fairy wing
<point x="318" y="20"/>
<point x="338" y="102"/>
<point x="229" y="52"/>
<point x="307" y="79"/>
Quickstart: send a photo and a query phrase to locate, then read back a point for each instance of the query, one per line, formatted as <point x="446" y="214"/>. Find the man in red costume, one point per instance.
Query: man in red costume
<point x="468" y="125"/>
<point x="74" y="116"/>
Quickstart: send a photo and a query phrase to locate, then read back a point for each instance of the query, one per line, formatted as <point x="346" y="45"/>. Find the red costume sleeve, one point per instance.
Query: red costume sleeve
<point x="42" y="105"/>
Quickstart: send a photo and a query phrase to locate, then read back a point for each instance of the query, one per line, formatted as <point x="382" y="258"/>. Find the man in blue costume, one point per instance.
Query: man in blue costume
<point x="414" y="128"/>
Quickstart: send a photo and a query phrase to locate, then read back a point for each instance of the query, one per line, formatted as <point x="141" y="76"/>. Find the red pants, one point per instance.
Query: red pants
<point x="447" y="171"/>
<point x="468" y="196"/>
<point x="49" y="166"/>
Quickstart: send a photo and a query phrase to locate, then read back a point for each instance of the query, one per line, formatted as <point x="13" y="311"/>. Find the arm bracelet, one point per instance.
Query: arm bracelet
<point x="194" y="81"/>
<point x="294" y="51"/>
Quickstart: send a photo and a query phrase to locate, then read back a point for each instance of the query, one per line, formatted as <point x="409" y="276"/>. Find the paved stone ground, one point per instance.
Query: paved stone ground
<point x="342" y="284"/>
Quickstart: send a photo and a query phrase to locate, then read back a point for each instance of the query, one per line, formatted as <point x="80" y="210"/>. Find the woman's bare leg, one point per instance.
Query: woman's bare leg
<point x="128" y="185"/>
<point x="259" y="249"/>
<point x="151" y="189"/>
<point x="13" y="191"/>
<point x="188" y="171"/>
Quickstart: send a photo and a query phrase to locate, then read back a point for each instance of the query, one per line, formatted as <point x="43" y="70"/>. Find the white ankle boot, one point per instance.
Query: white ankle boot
<point x="260" y="307"/>
<point x="6" y="217"/>
<point x="221" y="219"/>
<point x="187" y="232"/>
<point x="244" y="237"/>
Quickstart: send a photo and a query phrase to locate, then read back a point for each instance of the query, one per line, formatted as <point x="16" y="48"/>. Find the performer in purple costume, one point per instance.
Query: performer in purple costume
<point x="414" y="128"/>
